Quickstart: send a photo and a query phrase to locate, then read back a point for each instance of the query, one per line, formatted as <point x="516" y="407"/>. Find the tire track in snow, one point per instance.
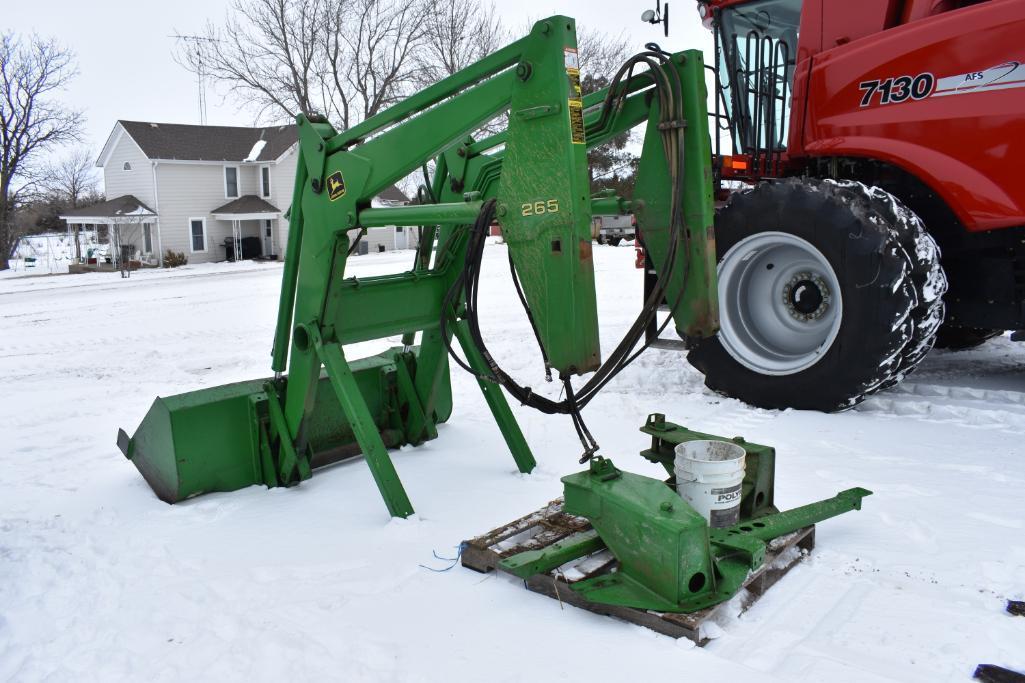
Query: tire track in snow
<point x="151" y="340"/>
<point x="987" y="408"/>
<point x="741" y="419"/>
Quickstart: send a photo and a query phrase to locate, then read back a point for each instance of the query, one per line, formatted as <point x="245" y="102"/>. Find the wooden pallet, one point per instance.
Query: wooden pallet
<point x="550" y="525"/>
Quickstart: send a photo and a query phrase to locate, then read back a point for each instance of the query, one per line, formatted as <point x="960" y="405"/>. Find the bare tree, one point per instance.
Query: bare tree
<point x="264" y="53"/>
<point x="347" y="59"/>
<point x="371" y="46"/>
<point x="600" y="56"/>
<point x="458" y="33"/>
<point x="32" y="120"/>
<point x="73" y="179"/>
<point x="350" y="59"/>
<point x="612" y="165"/>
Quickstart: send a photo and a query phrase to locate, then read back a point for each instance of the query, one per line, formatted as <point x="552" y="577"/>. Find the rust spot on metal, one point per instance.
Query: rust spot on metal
<point x="704" y="320"/>
<point x="585" y="250"/>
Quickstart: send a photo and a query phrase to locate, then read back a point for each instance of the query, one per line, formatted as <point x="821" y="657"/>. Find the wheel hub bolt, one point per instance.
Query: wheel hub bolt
<point x="806" y="296"/>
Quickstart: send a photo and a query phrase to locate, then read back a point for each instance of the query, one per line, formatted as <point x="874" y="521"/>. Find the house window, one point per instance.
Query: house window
<point x="197" y="234"/>
<point x="267" y="225"/>
<point x="127" y="166"/>
<point x="147" y="238"/>
<point x="265" y="181"/>
<point x="231" y="181"/>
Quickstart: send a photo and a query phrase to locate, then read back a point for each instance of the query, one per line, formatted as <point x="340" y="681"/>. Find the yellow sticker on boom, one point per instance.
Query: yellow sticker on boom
<point x="335" y="186"/>
<point x="576" y="121"/>
<point x="575" y="104"/>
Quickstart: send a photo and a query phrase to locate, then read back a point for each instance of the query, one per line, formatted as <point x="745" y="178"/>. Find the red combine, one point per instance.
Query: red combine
<point x="864" y="134"/>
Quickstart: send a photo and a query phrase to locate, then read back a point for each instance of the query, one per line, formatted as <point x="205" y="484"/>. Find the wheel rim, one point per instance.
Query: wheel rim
<point x="780" y="305"/>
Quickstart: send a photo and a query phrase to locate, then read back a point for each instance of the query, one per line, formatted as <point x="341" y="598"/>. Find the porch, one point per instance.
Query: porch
<point x="125" y="235"/>
<point x="246" y="228"/>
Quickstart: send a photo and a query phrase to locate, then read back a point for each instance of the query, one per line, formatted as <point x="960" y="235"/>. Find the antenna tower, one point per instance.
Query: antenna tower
<point x="193" y="46"/>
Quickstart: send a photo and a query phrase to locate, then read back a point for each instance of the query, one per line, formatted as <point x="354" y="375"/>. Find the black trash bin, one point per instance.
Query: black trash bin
<point x="250" y="248"/>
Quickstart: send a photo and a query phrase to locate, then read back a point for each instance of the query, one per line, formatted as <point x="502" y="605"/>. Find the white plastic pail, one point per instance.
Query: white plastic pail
<point x="709" y="475"/>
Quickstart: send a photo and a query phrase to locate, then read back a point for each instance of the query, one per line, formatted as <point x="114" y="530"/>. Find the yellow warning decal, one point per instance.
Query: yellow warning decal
<point x="574" y="84"/>
<point x="576" y="121"/>
<point x="575" y="103"/>
<point x="335" y="186"/>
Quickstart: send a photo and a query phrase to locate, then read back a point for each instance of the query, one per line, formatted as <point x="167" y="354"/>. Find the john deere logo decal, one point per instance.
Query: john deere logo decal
<point x="335" y="186"/>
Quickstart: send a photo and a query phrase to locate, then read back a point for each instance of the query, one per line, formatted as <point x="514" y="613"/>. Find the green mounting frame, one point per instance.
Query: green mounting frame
<point x="669" y="558"/>
<point x="760" y="462"/>
<point x="328" y="407"/>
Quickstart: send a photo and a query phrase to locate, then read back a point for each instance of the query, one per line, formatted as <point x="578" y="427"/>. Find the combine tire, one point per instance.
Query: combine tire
<point x="963" y="338"/>
<point x="828" y="291"/>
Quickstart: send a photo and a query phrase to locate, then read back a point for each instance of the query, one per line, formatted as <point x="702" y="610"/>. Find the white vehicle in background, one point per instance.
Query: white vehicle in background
<point x="613" y="229"/>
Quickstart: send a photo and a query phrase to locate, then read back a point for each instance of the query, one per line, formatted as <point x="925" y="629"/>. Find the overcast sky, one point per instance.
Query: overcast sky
<point x="124" y="48"/>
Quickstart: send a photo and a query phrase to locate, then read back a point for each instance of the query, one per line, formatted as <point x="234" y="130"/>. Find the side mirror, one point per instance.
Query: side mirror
<point x="657" y="16"/>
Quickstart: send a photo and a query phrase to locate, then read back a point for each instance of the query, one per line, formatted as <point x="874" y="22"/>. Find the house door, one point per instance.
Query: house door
<point x="268" y="239"/>
<point x="400" y="237"/>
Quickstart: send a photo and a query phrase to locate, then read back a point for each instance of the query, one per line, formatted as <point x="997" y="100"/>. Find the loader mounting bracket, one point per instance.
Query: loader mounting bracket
<point x="669" y="559"/>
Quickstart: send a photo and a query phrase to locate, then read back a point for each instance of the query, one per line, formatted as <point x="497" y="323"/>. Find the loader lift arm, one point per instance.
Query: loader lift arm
<point x="533" y="176"/>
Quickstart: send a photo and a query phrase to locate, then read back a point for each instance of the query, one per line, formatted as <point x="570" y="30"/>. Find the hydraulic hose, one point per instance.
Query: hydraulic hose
<point x="669" y="90"/>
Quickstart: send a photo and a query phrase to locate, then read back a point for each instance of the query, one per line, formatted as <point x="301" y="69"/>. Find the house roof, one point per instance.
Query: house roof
<point x="247" y="204"/>
<point x="187" y="142"/>
<point x="393" y="194"/>
<point x="123" y="206"/>
<point x="384" y="198"/>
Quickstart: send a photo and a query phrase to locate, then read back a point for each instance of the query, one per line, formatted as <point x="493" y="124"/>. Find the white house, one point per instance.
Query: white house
<point x="206" y="191"/>
<point x="390" y="237"/>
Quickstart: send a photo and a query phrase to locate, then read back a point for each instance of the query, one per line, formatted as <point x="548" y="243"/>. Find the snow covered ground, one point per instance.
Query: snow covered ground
<point x="100" y="581"/>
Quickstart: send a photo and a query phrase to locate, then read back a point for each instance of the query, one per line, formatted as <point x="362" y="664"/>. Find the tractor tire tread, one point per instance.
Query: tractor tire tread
<point x="891" y="282"/>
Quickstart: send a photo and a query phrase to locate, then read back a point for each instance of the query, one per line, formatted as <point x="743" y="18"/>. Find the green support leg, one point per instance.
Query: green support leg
<point x="374" y="450"/>
<point x="419" y="426"/>
<point x="293" y="467"/>
<point x="530" y="562"/>
<point x="496" y="401"/>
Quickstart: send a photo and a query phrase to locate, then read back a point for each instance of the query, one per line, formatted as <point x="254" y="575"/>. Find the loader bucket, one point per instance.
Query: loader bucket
<point x="215" y="439"/>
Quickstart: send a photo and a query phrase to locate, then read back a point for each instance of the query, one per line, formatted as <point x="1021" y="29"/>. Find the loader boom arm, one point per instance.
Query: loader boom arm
<point x="534" y="177"/>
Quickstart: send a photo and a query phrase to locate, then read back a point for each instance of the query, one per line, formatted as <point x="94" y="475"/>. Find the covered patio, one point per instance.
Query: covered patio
<point x="253" y="221"/>
<point x="128" y="233"/>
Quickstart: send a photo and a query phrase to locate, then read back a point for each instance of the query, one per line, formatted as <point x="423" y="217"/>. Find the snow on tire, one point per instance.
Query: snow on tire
<point x="930" y="281"/>
<point x="787" y="340"/>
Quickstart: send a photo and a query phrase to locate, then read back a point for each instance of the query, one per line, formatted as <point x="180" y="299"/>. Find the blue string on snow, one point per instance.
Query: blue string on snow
<point x="453" y="560"/>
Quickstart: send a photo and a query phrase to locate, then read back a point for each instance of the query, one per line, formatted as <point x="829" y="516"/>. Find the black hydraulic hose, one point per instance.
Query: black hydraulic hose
<point x="619" y="358"/>
<point x="424" y="195"/>
<point x="675" y="157"/>
<point x="355" y="242"/>
<point x="530" y="318"/>
<point x="670" y="92"/>
<point x="428" y="190"/>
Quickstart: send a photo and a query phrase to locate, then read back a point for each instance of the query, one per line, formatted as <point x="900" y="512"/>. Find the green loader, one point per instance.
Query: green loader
<point x="320" y="406"/>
